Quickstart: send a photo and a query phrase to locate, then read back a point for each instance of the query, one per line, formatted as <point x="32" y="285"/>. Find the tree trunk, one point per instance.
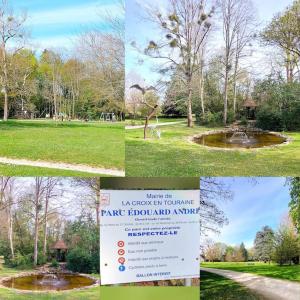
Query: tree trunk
<point x="151" y="114"/>
<point x="201" y="91"/>
<point x="189" y="104"/>
<point x="98" y="202"/>
<point x="225" y="96"/>
<point x="5" y="77"/>
<point x="234" y="88"/>
<point x="45" y="225"/>
<point x="10" y="232"/>
<point x="36" y="231"/>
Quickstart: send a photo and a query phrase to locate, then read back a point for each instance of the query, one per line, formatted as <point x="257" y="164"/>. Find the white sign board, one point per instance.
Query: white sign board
<point x="149" y="235"/>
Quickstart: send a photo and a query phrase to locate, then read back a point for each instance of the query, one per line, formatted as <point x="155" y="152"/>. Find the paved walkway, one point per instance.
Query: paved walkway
<point x="269" y="288"/>
<point x="154" y="124"/>
<point x="62" y="166"/>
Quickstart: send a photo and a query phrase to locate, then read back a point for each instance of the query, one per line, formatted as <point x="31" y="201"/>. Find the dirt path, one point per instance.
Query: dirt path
<point x="268" y="288"/>
<point x="153" y="124"/>
<point x="62" y="166"/>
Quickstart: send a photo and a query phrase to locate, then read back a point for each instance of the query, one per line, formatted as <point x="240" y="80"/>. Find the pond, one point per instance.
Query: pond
<point x="240" y="139"/>
<point x="46" y="282"/>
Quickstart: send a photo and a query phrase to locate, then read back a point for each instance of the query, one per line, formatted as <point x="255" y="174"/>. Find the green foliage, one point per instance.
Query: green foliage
<point x="79" y="260"/>
<point x="286" y="246"/>
<point x="279" y="104"/>
<point x="294" y="203"/>
<point x="54" y="263"/>
<point x="243" y="252"/>
<point x="264" y="244"/>
<point x="269" y="120"/>
<point x="21" y="261"/>
<point x="42" y="259"/>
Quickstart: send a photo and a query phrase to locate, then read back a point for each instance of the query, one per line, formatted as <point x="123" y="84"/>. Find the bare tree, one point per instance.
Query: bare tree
<point x="185" y="28"/>
<point x="11" y="29"/>
<point x="51" y="183"/>
<point x="234" y="13"/>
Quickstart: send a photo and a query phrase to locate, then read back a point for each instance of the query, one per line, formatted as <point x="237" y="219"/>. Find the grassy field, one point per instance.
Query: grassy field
<point x="217" y="287"/>
<point x="175" y="155"/>
<point x="8" y="294"/>
<point x="150" y="293"/>
<point x="12" y="170"/>
<point x="153" y="121"/>
<point x="93" y="144"/>
<point x="259" y="268"/>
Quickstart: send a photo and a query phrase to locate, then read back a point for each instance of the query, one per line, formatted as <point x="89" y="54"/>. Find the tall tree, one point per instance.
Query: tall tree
<point x="11" y="30"/>
<point x="234" y="14"/>
<point x="294" y="203"/>
<point x="185" y="28"/>
<point x="264" y="244"/>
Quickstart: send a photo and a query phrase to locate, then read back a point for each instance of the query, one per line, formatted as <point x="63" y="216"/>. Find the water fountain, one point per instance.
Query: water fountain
<point x="49" y="282"/>
<point x="239" y="137"/>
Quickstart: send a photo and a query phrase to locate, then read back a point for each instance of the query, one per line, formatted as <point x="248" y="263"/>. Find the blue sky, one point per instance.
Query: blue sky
<point x="141" y="30"/>
<point x="55" y="24"/>
<point x="256" y="203"/>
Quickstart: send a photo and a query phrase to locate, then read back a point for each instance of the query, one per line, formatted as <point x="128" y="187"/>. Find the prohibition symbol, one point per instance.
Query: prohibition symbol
<point x="121" y="252"/>
<point x="121" y="260"/>
<point x="121" y="244"/>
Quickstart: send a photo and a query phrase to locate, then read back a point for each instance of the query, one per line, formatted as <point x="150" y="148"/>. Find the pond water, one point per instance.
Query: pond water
<point x="253" y="139"/>
<point x="43" y="282"/>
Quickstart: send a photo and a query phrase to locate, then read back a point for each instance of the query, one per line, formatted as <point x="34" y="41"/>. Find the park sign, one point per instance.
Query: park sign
<point x="148" y="235"/>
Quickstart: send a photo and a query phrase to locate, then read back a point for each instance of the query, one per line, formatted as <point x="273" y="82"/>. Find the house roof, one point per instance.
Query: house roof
<point x="249" y="103"/>
<point x="60" y="245"/>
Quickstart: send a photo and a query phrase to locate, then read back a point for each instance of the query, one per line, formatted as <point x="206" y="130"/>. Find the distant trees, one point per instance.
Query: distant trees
<point x="294" y="203"/>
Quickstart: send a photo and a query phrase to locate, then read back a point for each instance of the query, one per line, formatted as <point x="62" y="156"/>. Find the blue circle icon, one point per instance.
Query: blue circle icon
<point x="121" y="268"/>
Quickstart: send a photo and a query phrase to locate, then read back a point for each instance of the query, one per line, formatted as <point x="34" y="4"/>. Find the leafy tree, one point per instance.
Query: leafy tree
<point x="243" y="252"/>
<point x="264" y="244"/>
<point x="295" y="202"/>
<point x="286" y="246"/>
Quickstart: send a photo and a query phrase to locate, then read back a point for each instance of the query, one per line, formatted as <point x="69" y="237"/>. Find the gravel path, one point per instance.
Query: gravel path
<point x="153" y="124"/>
<point x="268" y="288"/>
<point x="62" y="166"/>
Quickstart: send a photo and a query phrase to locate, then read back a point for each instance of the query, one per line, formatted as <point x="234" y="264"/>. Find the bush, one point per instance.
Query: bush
<point x="42" y="259"/>
<point x="78" y="260"/>
<point x="269" y="120"/>
<point x="21" y="261"/>
<point x="213" y="119"/>
<point x="54" y="263"/>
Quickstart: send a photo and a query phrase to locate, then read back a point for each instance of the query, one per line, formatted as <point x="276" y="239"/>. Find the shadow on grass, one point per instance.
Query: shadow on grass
<point x="216" y="287"/>
<point x="20" y="124"/>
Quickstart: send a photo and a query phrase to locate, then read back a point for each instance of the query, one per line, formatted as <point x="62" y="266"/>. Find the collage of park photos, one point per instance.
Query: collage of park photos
<point x="150" y="150"/>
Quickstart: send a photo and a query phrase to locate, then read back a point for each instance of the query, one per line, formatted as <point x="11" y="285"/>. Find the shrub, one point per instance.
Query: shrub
<point x="21" y="261"/>
<point x="213" y="119"/>
<point x="269" y="120"/>
<point x="54" y="263"/>
<point x="42" y="259"/>
<point x="78" y="260"/>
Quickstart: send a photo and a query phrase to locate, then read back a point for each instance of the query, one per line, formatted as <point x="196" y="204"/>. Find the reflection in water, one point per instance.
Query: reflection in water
<point x="251" y="139"/>
<point x="55" y="282"/>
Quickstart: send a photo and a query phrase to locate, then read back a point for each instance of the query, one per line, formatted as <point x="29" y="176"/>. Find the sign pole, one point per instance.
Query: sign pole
<point x="188" y="282"/>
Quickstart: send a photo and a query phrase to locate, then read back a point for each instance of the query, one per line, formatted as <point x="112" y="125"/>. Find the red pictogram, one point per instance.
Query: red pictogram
<point x="121" y="252"/>
<point x="121" y="244"/>
<point x="121" y="260"/>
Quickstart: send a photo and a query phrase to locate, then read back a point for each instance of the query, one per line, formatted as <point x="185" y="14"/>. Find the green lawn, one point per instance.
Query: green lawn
<point x="149" y="293"/>
<point x="94" y="144"/>
<point x="13" y="170"/>
<point x="8" y="294"/>
<point x="153" y="121"/>
<point x="175" y="155"/>
<point x="259" y="268"/>
<point x="217" y="287"/>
